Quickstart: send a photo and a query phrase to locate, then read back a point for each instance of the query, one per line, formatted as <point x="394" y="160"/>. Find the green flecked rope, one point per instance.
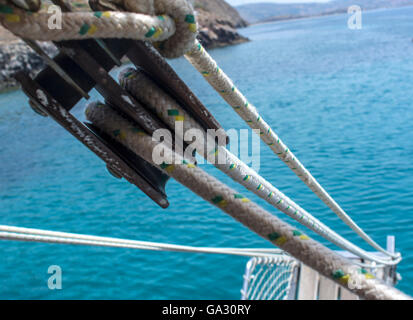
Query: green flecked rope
<point x="81" y="25"/>
<point x="271" y="228"/>
<point x="169" y="24"/>
<point x="214" y="75"/>
<point x="139" y="85"/>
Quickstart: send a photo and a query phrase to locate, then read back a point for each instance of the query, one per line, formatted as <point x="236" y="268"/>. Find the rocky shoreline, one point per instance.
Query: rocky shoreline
<point x="217" y="20"/>
<point x="16" y="56"/>
<point x="218" y="23"/>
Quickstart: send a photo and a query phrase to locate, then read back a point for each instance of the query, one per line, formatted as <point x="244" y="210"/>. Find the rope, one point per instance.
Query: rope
<point x="141" y="87"/>
<point x="246" y="212"/>
<point x="274" y="257"/>
<point x="45" y="236"/>
<point x="174" y="27"/>
<point x="207" y="66"/>
<point x="182" y="39"/>
<point x="181" y="35"/>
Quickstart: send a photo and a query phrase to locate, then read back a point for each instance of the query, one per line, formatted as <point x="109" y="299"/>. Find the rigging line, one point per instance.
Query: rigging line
<point x="39" y="232"/>
<point x="139" y="85"/>
<point x="270" y="227"/>
<point x="129" y="245"/>
<point x="38" y="235"/>
<point x="216" y="77"/>
<point x="197" y="56"/>
<point x="372" y="290"/>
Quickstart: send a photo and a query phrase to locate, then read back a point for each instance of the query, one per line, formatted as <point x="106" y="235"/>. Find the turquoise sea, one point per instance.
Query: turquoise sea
<point x="341" y="99"/>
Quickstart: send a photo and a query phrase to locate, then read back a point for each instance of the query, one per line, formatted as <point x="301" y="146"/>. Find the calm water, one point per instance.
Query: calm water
<point x="341" y="99"/>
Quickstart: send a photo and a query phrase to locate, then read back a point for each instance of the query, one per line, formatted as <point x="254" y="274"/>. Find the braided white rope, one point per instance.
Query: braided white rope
<point x="250" y="214"/>
<point x="174" y="28"/>
<point x="208" y="67"/>
<point x="160" y="103"/>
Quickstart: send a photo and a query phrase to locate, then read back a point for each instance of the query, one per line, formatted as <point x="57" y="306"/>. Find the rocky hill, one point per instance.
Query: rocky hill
<point x="218" y="22"/>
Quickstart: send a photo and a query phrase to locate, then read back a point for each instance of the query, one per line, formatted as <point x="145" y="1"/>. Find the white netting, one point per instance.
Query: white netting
<point x="269" y="278"/>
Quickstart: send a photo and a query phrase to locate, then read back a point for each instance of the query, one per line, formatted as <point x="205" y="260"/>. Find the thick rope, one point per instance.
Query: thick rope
<point x="207" y="66"/>
<point x="35" y="28"/>
<point x="81" y="25"/>
<point x="139" y="85"/>
<point x="84" y="25"/>
<point x="294" y="242"/>
<point x="175" y="26"/>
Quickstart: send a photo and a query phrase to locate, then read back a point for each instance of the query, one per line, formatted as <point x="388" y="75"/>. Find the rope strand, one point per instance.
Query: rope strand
<point x="214" y="75"/>
<point x="177" y="37"/>
<point x="281" y="234"/>
<point x="138" y="84"/>
<point x="176" y="30"/>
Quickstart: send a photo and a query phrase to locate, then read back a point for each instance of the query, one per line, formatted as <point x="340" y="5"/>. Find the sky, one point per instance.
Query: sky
<point x="238" y="2"/>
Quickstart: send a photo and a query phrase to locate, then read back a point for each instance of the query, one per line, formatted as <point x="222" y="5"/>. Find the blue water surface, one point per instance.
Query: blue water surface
<point x="342" y="101"/>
